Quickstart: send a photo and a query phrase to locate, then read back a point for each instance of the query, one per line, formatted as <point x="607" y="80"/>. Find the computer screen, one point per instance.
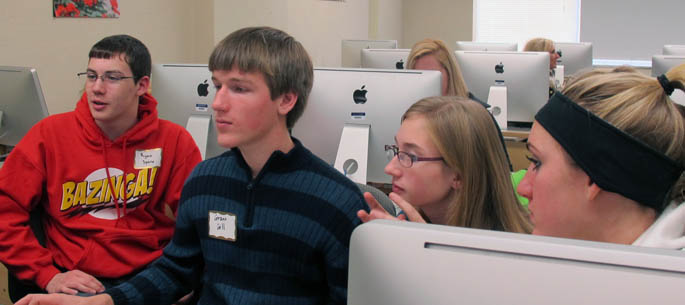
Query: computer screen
<point x="385" y="58"/>
<point x="674" y="49"/>
<point x="351" y="50"/>
<point x="185" y="94"/>
<point x="403" y="263"/>
<point x="486" y="46"/>
<point x="575" y="56"/>
<point x="662" y="63"/>
<point x="22" y="103"/>
<point x="376" y="99"/>
<point x="524" y="74"/>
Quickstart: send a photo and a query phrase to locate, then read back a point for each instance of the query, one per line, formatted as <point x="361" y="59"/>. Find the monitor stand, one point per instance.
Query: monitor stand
<point x="198" y="127"/>
<point x="559" y="77"/>
<point x="353" y="152"/>
<point x="497" y="99"/>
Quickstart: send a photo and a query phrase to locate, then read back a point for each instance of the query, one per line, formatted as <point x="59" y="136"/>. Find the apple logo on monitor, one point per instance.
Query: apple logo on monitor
<point x="499" y="68"/>
<point x="202" y="89"/>
<point x="359" y="95"/>
<point x="399" y="65"/>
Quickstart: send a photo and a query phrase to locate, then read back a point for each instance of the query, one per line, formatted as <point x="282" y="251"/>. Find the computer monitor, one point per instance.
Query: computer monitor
<point x="521" y="78"/>
<point x="402" y="263"/>
<point x="185" y="94"/>
<point x="22" y="103"/>
<point x="385" y="58"/>
<point x="353" y="113"/>
<point x="486" y="46"/>
<point x="674" y="49"/>
<point x="351" y="50"/>
<point x="575" y="56"/>
<point x="662" y="63"/>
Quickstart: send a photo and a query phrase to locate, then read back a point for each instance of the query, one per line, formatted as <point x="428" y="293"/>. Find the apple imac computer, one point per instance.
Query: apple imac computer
<point x="385" y="58"/>
<point x="22" y="103"/>
<point x="403" y="263"/>
<point x="662" y="63"/>
<point x="486" y="46"/>
<point x="185" y="94"/>
<point x="353" y="113"/>
<point x="674" y="49"/>
<point x="351" y="50"/>
<point x="515" y="84"/>
<point x="574" y="56"/>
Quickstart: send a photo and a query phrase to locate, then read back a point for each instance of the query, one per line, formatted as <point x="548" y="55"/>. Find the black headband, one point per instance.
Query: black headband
<point x="615" y="161"/>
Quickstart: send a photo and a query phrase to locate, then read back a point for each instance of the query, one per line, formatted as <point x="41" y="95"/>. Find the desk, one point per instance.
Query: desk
<point x="515" y="141"/>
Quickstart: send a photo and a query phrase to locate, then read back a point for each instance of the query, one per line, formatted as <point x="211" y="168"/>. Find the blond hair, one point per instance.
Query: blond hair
<point x="455" y="85"/>
<point x="638" y="105"/>
<point x="468" y="141"/>
<point x="539" y="45"/>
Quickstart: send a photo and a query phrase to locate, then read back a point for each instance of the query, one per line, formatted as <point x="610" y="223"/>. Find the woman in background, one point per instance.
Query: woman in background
<point x="433" y="54"/>
<point x="607" y="159"/>
<point x="546" y="45"/>
<point x="448" y="167"/>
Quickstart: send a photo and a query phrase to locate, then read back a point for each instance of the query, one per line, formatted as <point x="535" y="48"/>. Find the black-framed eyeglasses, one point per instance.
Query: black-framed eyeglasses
<point x="406" y="159"/>
<point x="108" y="77"/>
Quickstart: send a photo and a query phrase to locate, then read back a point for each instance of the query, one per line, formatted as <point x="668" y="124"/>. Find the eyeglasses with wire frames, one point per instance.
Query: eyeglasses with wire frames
<point x="108" y="78"/>
<point x="406" y="159"/>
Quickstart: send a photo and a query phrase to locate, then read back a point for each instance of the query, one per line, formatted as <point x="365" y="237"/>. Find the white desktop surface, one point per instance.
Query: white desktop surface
<point x="408" y="263"/>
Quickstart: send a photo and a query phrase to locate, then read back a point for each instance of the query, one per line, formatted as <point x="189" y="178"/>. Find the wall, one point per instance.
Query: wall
<point x="448" y="20"/>
<point x="318" y="25"/>
<point x="173" y="30"/>
<point x="385" y="20"/>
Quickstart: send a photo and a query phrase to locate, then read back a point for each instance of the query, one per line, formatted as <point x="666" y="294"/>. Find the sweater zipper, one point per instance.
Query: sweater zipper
<point x="250" y="204"/>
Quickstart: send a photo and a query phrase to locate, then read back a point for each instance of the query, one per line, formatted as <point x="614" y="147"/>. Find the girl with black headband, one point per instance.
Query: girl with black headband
<point x="607" y="159"/>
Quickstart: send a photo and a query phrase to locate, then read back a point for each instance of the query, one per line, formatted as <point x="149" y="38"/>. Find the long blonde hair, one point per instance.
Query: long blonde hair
<point x="638" y="105"/>
<point x="463" y="132"/>
<point x="456" y="85"/>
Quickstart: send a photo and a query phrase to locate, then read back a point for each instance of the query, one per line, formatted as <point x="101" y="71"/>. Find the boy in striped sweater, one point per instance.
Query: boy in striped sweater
<point x="266" y="222"/>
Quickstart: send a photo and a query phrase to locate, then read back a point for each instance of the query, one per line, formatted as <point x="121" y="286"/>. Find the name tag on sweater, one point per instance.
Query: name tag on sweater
<point x="222" y="225"/>
<point x="148" y="158"/>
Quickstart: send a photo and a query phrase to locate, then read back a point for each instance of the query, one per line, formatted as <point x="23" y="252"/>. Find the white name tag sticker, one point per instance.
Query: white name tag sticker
<point x="222" y="225"/>
<point x="148" y="158"/>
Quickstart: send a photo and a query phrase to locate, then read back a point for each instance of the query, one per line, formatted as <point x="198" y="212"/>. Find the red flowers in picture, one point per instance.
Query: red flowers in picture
<point x="86" y="8"/>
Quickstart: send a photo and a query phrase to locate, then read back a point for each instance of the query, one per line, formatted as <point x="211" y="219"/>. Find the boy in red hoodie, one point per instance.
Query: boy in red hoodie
<point x="107" y="177"/>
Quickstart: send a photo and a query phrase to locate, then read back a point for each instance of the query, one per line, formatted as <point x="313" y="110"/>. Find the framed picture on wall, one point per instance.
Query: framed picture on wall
<point x="85" y="8"/>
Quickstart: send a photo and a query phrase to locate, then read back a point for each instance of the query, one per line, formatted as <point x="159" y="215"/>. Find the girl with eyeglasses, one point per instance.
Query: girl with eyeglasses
<point x="448" y="167"/>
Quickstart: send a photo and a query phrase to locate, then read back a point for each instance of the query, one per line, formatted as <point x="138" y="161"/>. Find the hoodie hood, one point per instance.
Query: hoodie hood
<point x="668" y="231"/>
<point x="96" y="140"/>
<point x="93" y="135"/>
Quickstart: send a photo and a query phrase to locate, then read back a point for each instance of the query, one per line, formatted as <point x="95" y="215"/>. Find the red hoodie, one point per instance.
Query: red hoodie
<point x="62" y="164"/>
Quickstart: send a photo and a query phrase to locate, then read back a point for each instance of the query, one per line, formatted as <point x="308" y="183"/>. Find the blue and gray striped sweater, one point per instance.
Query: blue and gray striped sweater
<point x="293" y="227"/>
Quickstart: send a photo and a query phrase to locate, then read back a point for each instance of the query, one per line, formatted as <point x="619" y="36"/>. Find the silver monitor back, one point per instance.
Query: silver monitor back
<point x="525" y="74"/>
<point x="673" y="49"/>
<point x="575" y="56"/>
<point x="385" y="58"/>
<point x="486" y="46"/>
<point x="21" y="101"/>
<point x="350" y="54"/>
<point x="662" y="63"/>
<point x="377" y="98"/>
<point x="403" y="263"/>
<point x="185" y="90"/>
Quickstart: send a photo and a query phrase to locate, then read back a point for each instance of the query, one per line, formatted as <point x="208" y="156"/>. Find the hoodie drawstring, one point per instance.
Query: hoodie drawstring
<point x="110" y="183"/>
<point x="124" y="177"/>
<point x="109" y="177"/>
